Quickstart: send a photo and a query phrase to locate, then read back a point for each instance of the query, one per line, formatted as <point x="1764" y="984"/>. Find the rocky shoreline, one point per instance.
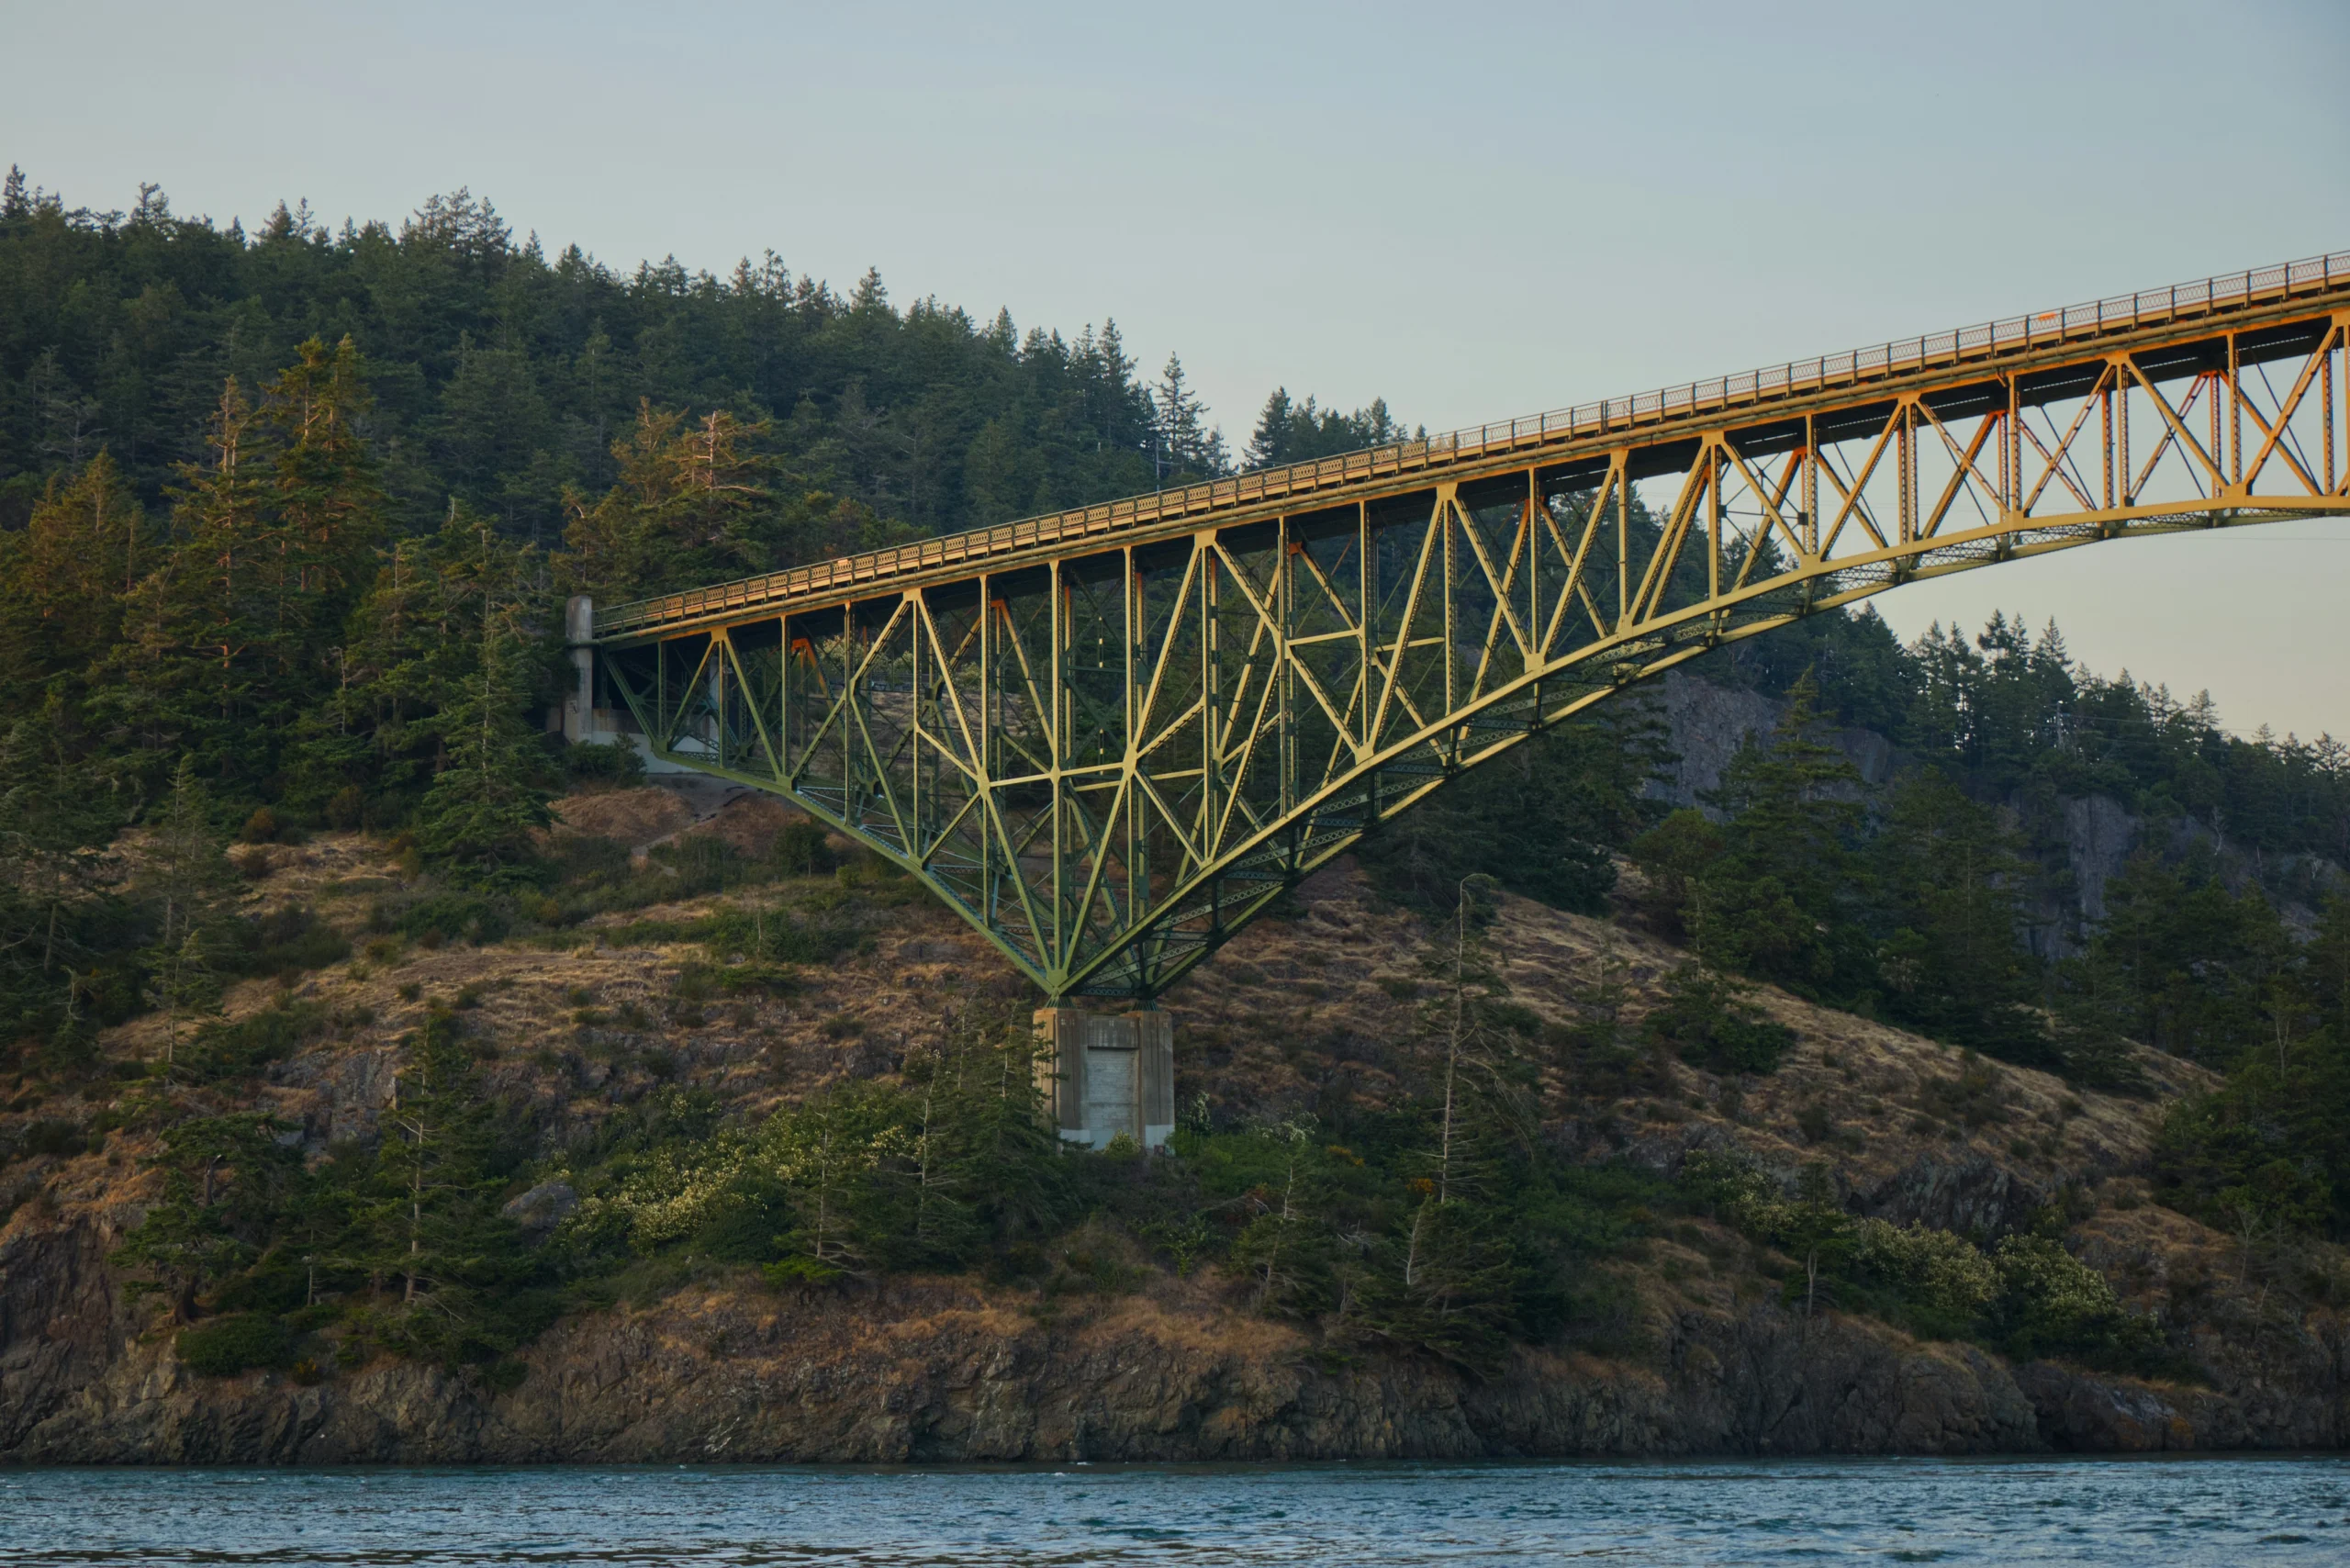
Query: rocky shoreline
<point x="945" y="1372"/>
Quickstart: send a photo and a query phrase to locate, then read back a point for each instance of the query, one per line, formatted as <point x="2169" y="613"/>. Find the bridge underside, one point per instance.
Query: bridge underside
<point x="1109" y="747"/>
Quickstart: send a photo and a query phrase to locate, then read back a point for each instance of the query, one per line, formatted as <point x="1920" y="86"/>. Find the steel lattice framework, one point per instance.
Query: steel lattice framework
<point x="1110" y="737"/>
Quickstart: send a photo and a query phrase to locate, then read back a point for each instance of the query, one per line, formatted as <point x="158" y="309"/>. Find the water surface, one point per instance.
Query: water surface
<point x="2136" y="1511"/>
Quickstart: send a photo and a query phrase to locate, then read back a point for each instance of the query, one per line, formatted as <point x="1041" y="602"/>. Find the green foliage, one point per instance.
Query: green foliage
<point x="1541" y="820"/>
<point x="226" y="1183"/>
<point x="427" y="1219"/>
<point x="221" y="1050"/>
<point x="481" y="810"/>
<point x="59" y="925"/>
<point x="2052" y="1304"/>
<point x="188" y="879"/>
<point x="402" y="1244"/>
<point x="614" y="767"/>
<point x="942" y="1170"/>
<point x="2267" y="1155"/>
<point x="50" y="1135"/>
<point x="2011" y="717"/>
<point x="1291" y="432"/>
<point x="1706" y="1019"/>
<point x="1948" y="877"/>
<point x="2027" y="1298"/>
<point x="533" y="387"/>
<point x="1778" y="902"/>
<point x="223" y="1347"/>
<point x="1775" y="889"/>
<point x="2184" y="964"/>
<point x="287" y="940"/>
<point x="454" y="916"/>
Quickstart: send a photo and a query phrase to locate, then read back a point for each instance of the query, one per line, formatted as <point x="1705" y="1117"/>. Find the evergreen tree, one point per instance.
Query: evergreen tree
<point x="449" y="1274"/>
<point x="63" y="575"/>
<point x="193" y="673"/>
<point x="1542" y="820"/>
<point x="483" y="807"/>
<point x="2183" y="964"/>
<point x="1290" y="431"/>
<point x="1454" y="1283"/>
<point x="56" y="817"/>
<point x="1185" y="447"/>
<point x="1949" y="876"/>
<point x="1779" y="902"/>
<point x="185" y="877"/>
<point x="226" y="1180"/>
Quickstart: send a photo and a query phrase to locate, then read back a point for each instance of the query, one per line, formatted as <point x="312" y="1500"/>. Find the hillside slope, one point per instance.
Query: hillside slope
<point x="1696" y="1341"/>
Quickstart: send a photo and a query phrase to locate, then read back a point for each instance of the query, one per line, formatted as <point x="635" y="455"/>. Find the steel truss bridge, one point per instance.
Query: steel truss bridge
<point x="1110" y="736"/>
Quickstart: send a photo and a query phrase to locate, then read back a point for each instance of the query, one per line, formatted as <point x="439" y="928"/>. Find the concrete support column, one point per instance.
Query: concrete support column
<point x="1060" y="1071"/>
<point x="579" y="707"/>
<point x="1100" y="1075"/>
<point x="1155" y="1075"/>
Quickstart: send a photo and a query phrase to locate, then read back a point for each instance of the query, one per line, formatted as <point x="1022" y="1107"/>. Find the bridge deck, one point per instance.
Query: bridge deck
<point x="1989" y="343"/>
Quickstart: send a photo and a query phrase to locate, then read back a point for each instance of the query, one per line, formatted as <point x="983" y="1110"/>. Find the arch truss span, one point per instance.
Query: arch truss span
<point x="1109" y="746"/>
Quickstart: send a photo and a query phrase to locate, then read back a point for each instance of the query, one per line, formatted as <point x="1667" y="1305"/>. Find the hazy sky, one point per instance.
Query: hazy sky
<point x="1472" y="211"/>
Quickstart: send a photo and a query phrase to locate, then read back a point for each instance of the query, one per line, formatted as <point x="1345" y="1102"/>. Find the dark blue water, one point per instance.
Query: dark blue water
<point x="2150" y="1511"/>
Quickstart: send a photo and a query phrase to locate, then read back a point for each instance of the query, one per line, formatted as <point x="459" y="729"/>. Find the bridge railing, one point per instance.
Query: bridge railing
<point x="1608" y="414"/>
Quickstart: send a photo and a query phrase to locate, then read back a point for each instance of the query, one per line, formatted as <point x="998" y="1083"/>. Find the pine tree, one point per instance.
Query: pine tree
<point x="1949" y="877"/>
<point x="1779" y="902"/>
<point x="479" y="814"/>
<point x="192" y="672"/>
<point x="1271" y="445"/>
<point x="56" y="818"/>
<point x="1454" y="1266"/>
<point x="326" y="500"/>
<point x="428" y="1229"/>
<point x="187" y="878"/>
<point x="1186" y="448"/>
<point x="63" y="577"/>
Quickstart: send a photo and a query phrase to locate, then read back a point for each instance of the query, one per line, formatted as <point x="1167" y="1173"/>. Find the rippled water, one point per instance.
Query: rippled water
<point x="2165" y="1511"/>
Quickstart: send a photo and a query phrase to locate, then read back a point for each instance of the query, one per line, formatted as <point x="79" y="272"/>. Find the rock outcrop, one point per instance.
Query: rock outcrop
<point x="1707" y="1357"/>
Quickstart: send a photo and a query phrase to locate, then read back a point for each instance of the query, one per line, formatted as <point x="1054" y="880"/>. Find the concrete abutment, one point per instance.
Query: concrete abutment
<point x="1102" y="1074"/>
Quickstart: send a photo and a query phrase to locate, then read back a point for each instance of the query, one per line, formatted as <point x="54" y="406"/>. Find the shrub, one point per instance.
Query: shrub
<point x="227" y="1346"/>
<point x="450" y="916"/>
<point x="1705" y="1018"/>
<point x="262" y="827"/>
<point x="1933" y="1283"/>
<point x="62" y="1139"/>
<point x="292" y="938"/>
<point x="346" y="808"/>
<point x="2052" y="1304"/>
<point x="802" y="848"/>
<point x="1977" y="1096"/>
<point x="615" y="767"/>
<point x="245" y="1048"/>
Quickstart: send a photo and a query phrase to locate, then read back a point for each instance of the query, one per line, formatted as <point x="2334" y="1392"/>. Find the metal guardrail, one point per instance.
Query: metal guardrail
<point x="1607" y="415"/>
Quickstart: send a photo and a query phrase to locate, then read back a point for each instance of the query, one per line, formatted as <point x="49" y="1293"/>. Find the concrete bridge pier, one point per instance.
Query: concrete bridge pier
<point x="579" y="718"/>
<point x="1102" y="1074"/>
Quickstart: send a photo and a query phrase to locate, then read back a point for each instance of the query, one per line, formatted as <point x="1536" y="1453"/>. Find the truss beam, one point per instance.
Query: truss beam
<point x="1109" y="748"/>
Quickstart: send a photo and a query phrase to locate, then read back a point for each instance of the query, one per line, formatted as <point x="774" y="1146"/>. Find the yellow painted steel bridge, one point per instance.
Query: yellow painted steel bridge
<point x="1110" y="736"/>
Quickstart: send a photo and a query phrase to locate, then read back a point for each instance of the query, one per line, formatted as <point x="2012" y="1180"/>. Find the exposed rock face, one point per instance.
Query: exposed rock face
<point x="1706" y="725"/>
<point x="938" y="1373"/>
<point x="60" y="1323"/>
<point x="2098" y="836"/>
<point x="940" y="1370"/>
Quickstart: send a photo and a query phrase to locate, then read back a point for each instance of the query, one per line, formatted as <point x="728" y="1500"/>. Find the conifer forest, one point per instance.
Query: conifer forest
<point x="288" y="518"/>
